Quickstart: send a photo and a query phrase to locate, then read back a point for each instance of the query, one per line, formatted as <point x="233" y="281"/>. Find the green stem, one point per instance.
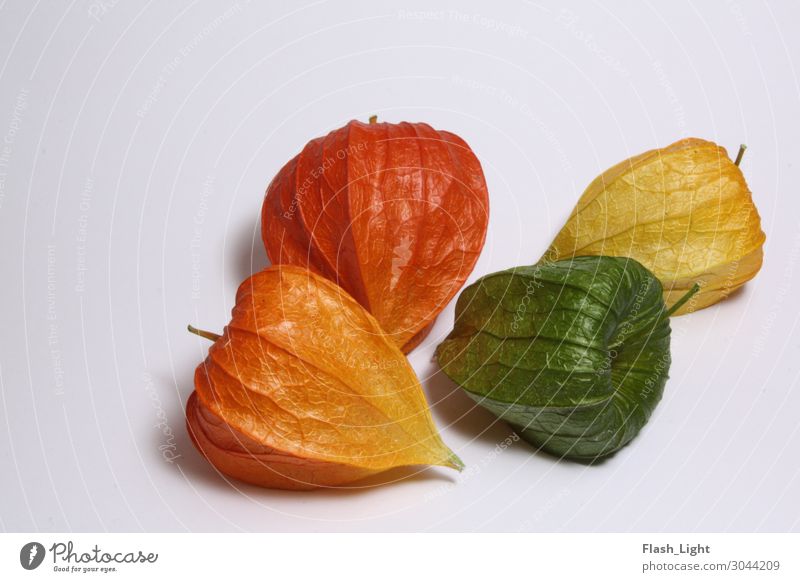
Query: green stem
<point x="454" y="462"/>
<point x="740" y="154"/>
<point x="202" y="333"/>
<point x="373" y="119"/>
<point x="680" y="302"/>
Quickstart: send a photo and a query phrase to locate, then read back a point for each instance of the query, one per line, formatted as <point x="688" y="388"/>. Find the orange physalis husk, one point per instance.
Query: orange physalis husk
<point x="394" y="213"/>
<point x="305" y="390"/>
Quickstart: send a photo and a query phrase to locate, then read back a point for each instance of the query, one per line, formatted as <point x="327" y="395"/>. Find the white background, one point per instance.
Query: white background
<point x="139" y="139"/>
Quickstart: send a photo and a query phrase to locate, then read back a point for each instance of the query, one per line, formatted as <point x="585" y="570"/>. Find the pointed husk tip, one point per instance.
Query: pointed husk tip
<point x="454" y="462"/>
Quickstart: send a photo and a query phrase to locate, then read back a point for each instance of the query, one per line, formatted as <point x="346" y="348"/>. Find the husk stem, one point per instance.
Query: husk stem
<point x="739" y="155"/>
<point x="202" y="333"/>
<point x="682" y="301"/>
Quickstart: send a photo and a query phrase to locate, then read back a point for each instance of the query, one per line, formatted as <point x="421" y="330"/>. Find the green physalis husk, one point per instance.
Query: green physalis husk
<point x="573" y="354"/>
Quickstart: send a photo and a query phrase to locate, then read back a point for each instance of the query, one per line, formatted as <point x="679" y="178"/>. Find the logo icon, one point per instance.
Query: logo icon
<point x="31" y="555"/>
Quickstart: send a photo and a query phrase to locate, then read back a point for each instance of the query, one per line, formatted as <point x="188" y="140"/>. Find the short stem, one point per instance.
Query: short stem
<point x="202" y="333"/>
<point x="682" y="301"/>
<point x="740" y="154"/>
<point x="373" y="119"/>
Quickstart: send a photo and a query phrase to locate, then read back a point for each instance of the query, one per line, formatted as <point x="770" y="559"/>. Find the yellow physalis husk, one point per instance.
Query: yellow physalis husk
<point x="684" y="211"/>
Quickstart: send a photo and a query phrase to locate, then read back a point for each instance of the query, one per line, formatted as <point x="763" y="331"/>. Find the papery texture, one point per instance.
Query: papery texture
<point x="573" y="354"/>
<point x="685" y="212"/>
<point x="396" y="214"/>
<point x="304" y="389"/>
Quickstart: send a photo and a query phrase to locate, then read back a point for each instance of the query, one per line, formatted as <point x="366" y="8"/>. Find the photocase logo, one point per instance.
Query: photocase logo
<point x="31" y="555"/>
